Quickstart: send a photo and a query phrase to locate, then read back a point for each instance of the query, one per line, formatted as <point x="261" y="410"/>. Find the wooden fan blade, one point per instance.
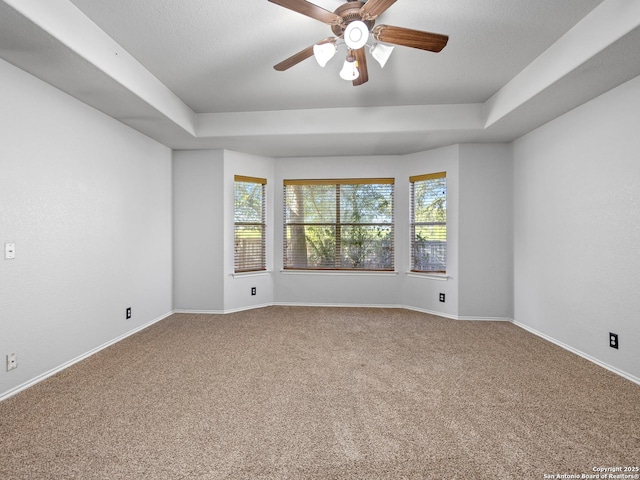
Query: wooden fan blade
<point x="433" y="42"/>
<point x="361" y="58"/>
<point x="373" y="8"/>
<point x="301" y="55"/>
<point x="310" y="10"/>
<point x="294" y="59"/>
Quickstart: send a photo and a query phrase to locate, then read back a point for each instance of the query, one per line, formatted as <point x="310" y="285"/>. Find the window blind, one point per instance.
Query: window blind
<point x="339" y="224"/>
<point x="429" y="222"/>
<point x="249" y="224"/>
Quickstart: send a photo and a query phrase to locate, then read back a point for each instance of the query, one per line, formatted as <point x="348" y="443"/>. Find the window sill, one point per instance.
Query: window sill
<point x="443" y="277"/>
<point x="258" y="273"/>
<point x="357" y="273"/>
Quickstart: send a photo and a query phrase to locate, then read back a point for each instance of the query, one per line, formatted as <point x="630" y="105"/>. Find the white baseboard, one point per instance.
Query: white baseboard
<point x="223" y="312"/>
<point x="285" y="304"/>
<point x="484" y="319"/>
<point x="332" y="305"/>
<point x="347" y="305"/>
<point x="201" y="312"/>
<point x="405" y="307"/>
<point x="586" y="356"/>
<point x="429" y="312"/>
<point x="59" y="368"/>
<point x="456" y="317"/>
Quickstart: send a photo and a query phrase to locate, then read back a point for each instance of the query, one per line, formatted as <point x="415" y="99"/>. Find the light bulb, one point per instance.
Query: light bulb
<point x="381" y="53"/>
<point x="349" y="70"/>
<point x="324" y="52"/>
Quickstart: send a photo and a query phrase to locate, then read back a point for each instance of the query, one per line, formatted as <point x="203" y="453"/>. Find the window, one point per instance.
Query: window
<point x="429" y="223"/>
<point x="342" y="224"/>
<point x="250" y="225"/>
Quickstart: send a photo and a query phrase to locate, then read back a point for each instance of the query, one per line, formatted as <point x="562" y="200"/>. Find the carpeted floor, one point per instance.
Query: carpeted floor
<point x="323" y="393"/>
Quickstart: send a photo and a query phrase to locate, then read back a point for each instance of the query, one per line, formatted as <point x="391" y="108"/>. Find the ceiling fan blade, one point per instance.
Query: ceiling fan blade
<point x="361" y="59"/>
<point x="310" y="10"/>
<point x="301" y="55"/>
<point x="433" y="42"/>
<point x="294" y="59"/>
<point x="373" y="8"/>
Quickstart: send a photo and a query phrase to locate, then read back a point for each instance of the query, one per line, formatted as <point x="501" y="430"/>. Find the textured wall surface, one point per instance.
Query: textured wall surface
<point x="576" y="235"/>
<point x="88" y="206"/>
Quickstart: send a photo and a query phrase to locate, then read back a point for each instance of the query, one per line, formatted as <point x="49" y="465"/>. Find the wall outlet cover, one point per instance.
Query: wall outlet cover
<point x="12" y="361"/>
<point x="613" y="340"/>
<point x="9" y="251"/>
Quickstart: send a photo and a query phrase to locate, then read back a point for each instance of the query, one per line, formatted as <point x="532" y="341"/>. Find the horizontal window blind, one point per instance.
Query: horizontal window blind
<point x="249" y="224"/>
<point x="429" y="222"/>
<point x="339" y="224"/>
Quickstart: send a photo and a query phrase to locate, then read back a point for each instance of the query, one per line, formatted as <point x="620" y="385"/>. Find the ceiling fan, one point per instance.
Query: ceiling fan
<point x="353" y="22"/>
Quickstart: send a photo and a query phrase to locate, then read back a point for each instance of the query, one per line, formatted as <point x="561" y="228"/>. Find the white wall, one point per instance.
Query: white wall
<point x="237" y="288"/>
<point x="203" y="211"/>
<point x="87" y="201"/>
<point x="485" y="245"/>
<point x="422" y="291"/>
<point x="198" y="231"/>
<point x="486" y="170"/>
<point x="313" y="288"/>
<point x="576" y="228"/>
<point x="203" y="234"/>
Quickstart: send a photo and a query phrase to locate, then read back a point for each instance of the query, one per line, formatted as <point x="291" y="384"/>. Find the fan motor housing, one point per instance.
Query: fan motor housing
<point x="349" y="12"/>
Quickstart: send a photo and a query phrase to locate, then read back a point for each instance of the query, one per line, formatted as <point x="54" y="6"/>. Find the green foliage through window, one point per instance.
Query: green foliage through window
<point x="339" y="224"/>
<point x="429" y="223"/>
<point x="249" y="221"/>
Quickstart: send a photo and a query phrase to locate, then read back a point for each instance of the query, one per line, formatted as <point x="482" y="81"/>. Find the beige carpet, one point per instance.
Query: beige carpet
<point x="323" y="393"/>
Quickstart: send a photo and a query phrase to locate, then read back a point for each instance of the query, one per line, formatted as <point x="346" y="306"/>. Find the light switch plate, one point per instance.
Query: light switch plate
<point x="9" y="251"/>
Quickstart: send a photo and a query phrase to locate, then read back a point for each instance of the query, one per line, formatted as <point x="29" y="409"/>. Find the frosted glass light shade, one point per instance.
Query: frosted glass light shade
<point x="324" y="52"/>
<point x="381" y="53"/>
<point x="356" y="35"/>
<point x="349" y="71"/>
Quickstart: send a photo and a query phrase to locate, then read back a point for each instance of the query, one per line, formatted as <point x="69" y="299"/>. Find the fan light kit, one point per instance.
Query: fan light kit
<point x="352" y="24"/>
<point x="324" y="52"/>
<point x="349" y="69"/>
<point x="356" y="35"/>
<point x="381" y="53"/>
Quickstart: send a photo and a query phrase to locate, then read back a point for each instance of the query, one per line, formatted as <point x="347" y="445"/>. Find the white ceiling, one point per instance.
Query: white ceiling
<point x="199" y="73"/>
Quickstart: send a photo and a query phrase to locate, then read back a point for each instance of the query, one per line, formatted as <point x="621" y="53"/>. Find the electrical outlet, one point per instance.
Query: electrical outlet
<point x="613" y="340"/>
<point x="128" y="313"/>
<point x="253" y="290"/>
<point x="9" y="251"/>
<point x="441" y="297"/>
<point x="12" y="361"/>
